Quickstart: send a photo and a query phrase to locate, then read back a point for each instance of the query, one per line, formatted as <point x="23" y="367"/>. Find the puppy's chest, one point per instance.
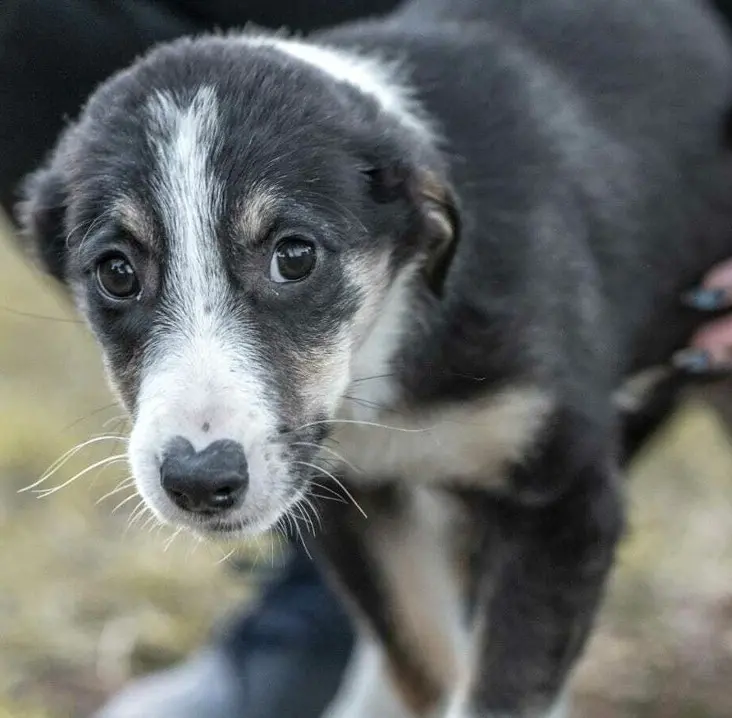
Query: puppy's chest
<point x="470" y="443"/>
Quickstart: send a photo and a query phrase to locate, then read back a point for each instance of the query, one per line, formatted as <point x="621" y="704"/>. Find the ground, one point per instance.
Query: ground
<point x="87" y="601"/>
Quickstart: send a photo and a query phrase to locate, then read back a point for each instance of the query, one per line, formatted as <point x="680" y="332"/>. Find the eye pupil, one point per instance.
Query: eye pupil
<point x="294" y="259"/>
<point x="117" y="278"/>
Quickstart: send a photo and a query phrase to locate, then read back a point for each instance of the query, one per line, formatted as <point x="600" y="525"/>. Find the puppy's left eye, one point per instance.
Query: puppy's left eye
<point x="116" y="277"/>
<point x="293" y="259"/>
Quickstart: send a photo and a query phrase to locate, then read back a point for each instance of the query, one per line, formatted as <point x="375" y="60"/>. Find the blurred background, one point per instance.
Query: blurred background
<point x="90" y="598"/>
<point x="92" y="594"/>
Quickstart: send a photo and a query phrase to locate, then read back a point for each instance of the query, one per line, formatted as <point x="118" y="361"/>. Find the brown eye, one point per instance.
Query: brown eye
<point x="293" y="259"/>
<point x="116" y="277"/>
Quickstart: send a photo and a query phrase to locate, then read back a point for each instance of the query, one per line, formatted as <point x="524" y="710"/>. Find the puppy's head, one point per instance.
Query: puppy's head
<point x="235" y="217"/>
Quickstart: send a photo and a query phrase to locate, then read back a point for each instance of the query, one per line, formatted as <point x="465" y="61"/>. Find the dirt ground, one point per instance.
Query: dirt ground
<point x="87" y="601"/>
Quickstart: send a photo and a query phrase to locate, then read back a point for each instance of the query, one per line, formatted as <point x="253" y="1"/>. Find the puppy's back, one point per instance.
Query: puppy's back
<point x="605" y="114"/>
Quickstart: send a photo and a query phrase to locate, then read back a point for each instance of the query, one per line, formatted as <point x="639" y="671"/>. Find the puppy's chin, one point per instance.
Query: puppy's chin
<point x="242" y="526"/>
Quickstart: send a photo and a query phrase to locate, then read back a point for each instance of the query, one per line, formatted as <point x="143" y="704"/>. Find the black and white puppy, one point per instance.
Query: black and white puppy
<point x="413" y="260"/>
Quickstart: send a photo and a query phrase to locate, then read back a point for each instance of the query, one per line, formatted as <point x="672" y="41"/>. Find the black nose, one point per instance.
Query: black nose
<point x="207" y="481"/>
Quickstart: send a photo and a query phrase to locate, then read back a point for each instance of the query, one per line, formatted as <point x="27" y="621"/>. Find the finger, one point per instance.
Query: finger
<point x="709" y="351"/>
<point x="715" y="292"/>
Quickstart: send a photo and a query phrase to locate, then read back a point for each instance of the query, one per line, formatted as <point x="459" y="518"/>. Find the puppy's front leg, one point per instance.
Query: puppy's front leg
<point x="396" y="571"/>
<point x="543" y="581"/>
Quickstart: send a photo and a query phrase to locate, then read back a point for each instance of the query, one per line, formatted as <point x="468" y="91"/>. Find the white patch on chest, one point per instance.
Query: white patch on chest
<point x="470" y="443"/>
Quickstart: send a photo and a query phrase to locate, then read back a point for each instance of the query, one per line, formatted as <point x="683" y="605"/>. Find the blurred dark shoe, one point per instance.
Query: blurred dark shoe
<point x="207" y="685"/>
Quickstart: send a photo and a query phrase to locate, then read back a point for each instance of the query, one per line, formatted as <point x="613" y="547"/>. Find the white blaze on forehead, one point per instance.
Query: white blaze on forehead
<point x="188" y="194"/>
<point x="200" y="343"/>
<point x="201" y="367"/>
<point x="375" y="78"/>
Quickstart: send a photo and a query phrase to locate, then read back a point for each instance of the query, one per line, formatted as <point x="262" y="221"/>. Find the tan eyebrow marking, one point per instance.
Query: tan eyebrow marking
<point x="135" y="219"/>
<point x="256" y="211"/>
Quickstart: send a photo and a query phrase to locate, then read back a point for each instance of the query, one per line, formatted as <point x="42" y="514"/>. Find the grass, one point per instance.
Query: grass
<point x="86" y="602"/>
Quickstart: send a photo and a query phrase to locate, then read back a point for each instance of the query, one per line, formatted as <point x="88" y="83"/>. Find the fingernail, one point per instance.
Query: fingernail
<point x="693" y="361"/>
<point x="705" y="299"/>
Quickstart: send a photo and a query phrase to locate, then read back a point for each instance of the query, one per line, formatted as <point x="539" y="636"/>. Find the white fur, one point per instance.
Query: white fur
<point x="472" y="443"/>
<point x="377" y="79"/>
<point x="417" y="560"/>
<point x="201" y="375"/>
<point x="366" y="690"/>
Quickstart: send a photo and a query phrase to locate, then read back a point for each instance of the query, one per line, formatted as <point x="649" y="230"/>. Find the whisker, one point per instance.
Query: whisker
<point x="330" y="451"/>
<point x="137" y="512"/>
<point x="122" y="418"/>
<point x="169" y="541"/>
<point x="337" y="499"/>
<point x="363" y="379"/>
<point x="333" y="492"/>
<point x="89" y="229"/>
<point x="32" y="315"/>
<point x="150" y="523"/>
<point x="43" y="493"/>
<point x="193" y="546"/>
<point x="225" y="558"/>
<point x="307" y="503"/>
<point x="301" y="514"/>
<point x="369" y="404"/>
<point x="302" y="540"/>
<point x="87" y="416"/>
<point x="124" y="484"/>
<point x="124" y="501"/>
<point x="339" y="482"/>
<point x="364" y="423"/>
<point x="293" y="529"/>
<point x="138" y="517"/>
<point x="67" y="456"/>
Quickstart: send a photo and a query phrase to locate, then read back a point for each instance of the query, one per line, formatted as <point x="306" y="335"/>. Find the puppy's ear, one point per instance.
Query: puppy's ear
<point x="41" y="215"/>
<point x="438" y="206"/>
<point x="437" y="212"/>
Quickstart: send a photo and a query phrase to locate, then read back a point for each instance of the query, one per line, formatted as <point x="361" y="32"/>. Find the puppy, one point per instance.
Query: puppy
<point x="410" y="261"/>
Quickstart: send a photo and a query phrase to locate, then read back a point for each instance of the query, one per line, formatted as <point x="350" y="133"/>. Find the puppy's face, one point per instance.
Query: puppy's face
<point x="232" y="222"/>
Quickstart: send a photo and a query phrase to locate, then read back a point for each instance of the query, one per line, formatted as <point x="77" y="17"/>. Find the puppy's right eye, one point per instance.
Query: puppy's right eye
<point x="116" y="277"/>
<point x="293" y="259"/>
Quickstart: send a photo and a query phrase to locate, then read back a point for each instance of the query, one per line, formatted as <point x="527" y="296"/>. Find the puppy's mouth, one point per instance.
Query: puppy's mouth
<point x="216" y="492"/>
<point x="241" y="523"/>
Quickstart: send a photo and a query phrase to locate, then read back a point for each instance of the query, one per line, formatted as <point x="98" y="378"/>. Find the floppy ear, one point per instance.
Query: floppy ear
<point x="41" y="216"/>
<point x="439" y="208"/>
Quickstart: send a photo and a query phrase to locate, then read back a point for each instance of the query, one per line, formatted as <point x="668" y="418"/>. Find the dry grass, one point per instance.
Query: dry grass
<point x="85" y="603"/>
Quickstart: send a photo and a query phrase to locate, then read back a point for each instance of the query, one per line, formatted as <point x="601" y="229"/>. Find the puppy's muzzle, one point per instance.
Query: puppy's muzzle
<point x="204" y="482"/>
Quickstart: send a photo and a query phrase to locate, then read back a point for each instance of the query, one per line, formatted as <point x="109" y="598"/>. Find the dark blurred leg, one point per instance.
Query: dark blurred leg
<point x="296" y="644"/>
